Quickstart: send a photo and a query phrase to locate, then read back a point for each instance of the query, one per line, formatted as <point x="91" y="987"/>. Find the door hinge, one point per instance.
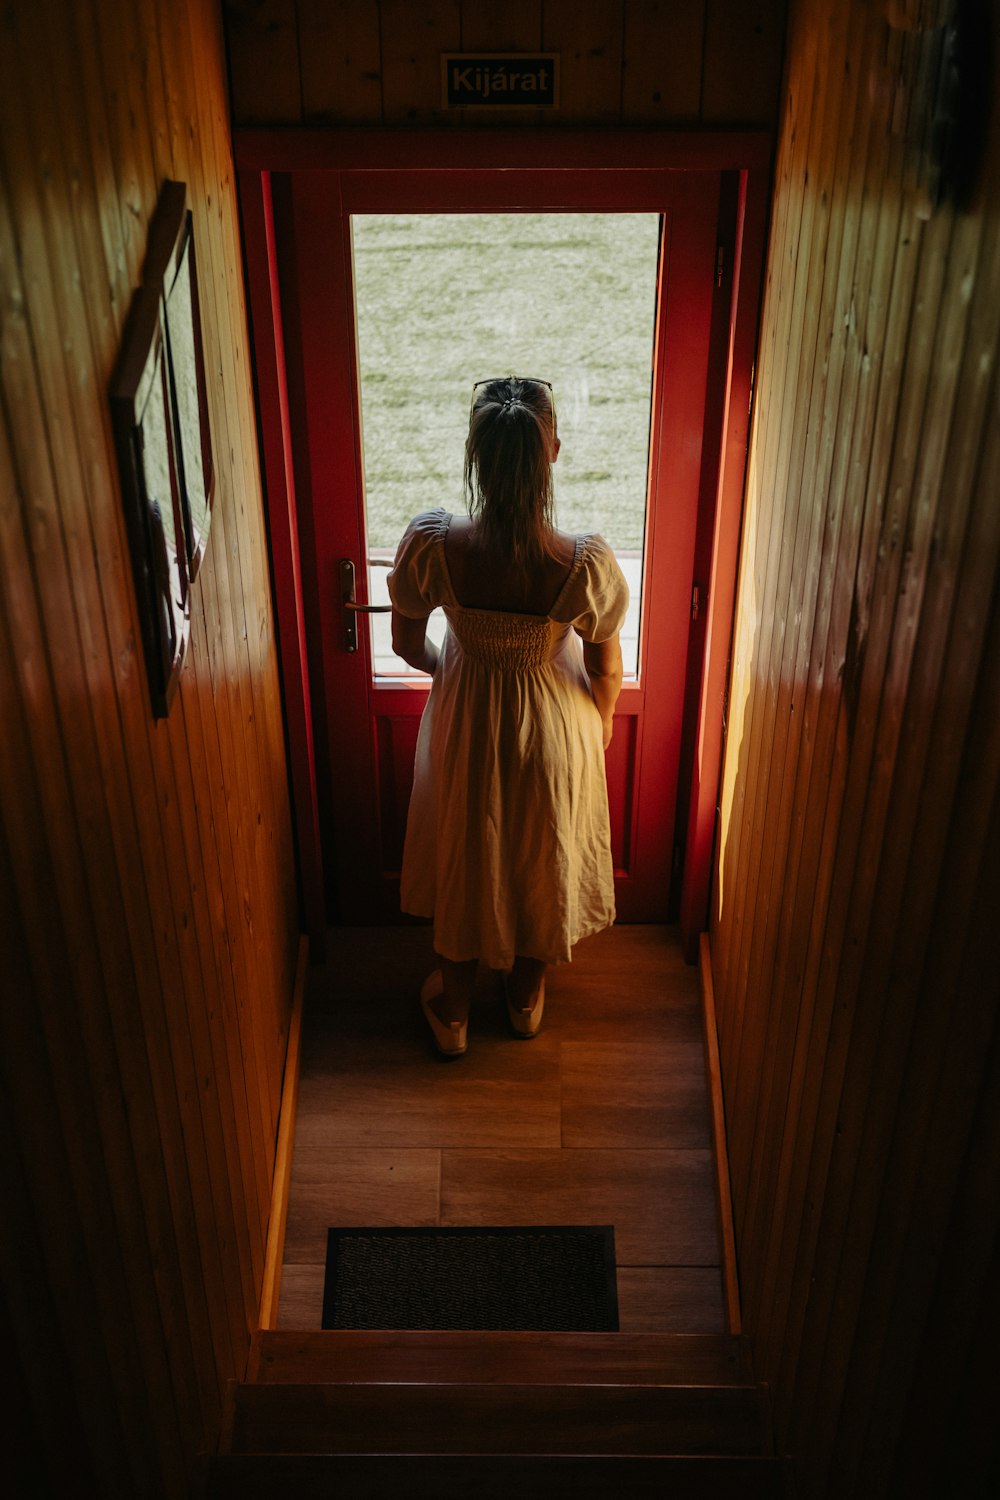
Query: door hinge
<point x="720" y="264"/>
<point x="695" y="602"/>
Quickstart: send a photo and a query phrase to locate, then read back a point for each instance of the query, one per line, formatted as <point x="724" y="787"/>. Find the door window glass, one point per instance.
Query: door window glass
<point x="443" y="300"/>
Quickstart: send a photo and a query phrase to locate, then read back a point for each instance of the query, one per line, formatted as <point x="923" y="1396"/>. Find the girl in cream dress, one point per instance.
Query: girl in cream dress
<point x="507" y="840"/>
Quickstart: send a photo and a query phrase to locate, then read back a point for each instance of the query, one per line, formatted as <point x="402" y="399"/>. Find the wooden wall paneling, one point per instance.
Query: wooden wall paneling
<point x="170" y="135"/>
<point x="662" y="61"/>
<point x="159" y="1045"/>
<point x="948" y="1271"/>
<point x="742" y="61"/>
<point x="198" y="772"/>
<point x="263" y="46"/>
<point x="777" y="467"/>
<point x="945" y="1086"/>
<point x="908" y="904"/>
<point x="810" y="855"/>
<point x="67" y="1215"/>
<point x="76" y="1056"/>
<point x="247" y="1148"/>
<point x="826" y="1005"/>
<point x="207" y="36"/>
<point x="839" y="939"/>
<point x="280" y="906"/>
<point x="119" y="148"/>
<point x="341" y="61"/>
<point x="799" y="87"/>
<point x="874" y="744"/>
<point x="252" y="903"/>
<point x="226" y="635"/>
<point x="48" y="1426"/>
<point x="238" y="1227"/>
<point x="227" y="914"/>
<point x="832" y="275"/>
<point x="411" y="70"/>
<point x="589" y="40"/>
<point x="761" y="565"/>
<point x="969" y="1462"/>
<point x="282" y="903"/>
<point x="274" y="918"/>
<point x="945" y="1439"/>
<point x="57" y="1451"/>
<point x="261" y="891"/>
<point x="57" y="649"/>
<point x="793" y="591"/>
<point x="79" y="504"/>
<point x="110" y="32"/>
<point x="224" y="710"/>
<point x="877" y="343"/>
<point x="885" y="342"/>
<point x="188" y="1022"/>
<point x="246" y="576"/>
<point x="857" y="1033"/>
<point x="270" y="1285"/>
<point x="775" y="332"/>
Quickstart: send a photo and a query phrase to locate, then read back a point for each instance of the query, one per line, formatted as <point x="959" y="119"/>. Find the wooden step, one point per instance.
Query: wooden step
<point x="498" y="1418"/>
<point x="492" y="1477"/>
<point x="485" y="1357"/>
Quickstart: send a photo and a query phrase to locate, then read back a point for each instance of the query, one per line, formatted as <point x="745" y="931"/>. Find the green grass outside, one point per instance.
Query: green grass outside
<point x="444" y="300"/>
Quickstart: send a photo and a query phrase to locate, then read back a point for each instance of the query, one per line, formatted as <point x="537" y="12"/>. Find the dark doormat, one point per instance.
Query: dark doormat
<point x="552" y="1278"/>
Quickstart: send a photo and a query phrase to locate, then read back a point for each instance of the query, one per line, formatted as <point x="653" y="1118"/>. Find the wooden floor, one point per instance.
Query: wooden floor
<point x="602" y="1118"/>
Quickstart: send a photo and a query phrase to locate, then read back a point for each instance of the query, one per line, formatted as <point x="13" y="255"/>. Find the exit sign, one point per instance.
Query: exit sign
<point x="500" y="80"/>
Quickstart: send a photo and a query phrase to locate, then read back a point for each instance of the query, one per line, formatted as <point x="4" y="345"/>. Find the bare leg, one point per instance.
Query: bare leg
<point x="524" y="982"/>
<point x="459" y="982"/>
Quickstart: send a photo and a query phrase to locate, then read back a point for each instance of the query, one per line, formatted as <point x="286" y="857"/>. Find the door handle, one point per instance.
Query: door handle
<point x="351" y="607"/>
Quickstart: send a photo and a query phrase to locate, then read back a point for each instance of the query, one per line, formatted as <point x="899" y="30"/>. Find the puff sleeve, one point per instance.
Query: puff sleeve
<point x="416" y="586"/>
<point x="598" y="600"/>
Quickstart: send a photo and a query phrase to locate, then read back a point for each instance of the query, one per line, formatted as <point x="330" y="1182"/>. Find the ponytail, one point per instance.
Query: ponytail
<point x="508" y="467"/>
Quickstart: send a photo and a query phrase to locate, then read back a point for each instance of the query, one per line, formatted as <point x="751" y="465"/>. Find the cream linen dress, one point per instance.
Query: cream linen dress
<point x="507" y="839"/>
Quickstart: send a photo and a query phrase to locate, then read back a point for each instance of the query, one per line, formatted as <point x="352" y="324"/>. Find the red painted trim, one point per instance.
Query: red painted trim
<point x="282" y="521"/>
<point x="542" y="191"/>
<point x="598" y="161"/>
<point x="328" y="473"/>
<point x="679" y="391"/>
<point x="747" y="271"/>
<point x="592" y="150"/>
<point x="713" y="423"/>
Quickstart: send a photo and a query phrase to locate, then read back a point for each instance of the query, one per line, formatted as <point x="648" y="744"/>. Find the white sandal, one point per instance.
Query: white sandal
<point x="450" y="1037"/>
<point x="525" y="1023"/>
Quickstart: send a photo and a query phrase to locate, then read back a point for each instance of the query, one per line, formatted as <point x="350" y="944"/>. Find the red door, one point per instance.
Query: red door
<point x="365" y="724"/>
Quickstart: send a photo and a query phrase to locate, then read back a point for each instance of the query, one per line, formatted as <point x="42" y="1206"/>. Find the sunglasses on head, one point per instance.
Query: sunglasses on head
<point x="522" y="380"/>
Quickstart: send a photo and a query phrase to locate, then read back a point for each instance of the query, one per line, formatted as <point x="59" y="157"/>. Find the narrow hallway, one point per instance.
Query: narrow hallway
<point x="603" y="1118"/>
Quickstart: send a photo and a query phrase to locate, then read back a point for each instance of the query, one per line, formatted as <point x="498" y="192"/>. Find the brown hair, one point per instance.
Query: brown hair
<point x="508" y="467"/>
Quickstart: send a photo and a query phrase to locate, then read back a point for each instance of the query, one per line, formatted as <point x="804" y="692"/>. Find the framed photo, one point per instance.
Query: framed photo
<point x="190" y="399"/>
<point x="159" y="413"/>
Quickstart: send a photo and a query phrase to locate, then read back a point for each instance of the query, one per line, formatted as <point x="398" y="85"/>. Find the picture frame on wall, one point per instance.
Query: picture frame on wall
<point x="189" y="394"/>
<point x="159" y="412"/>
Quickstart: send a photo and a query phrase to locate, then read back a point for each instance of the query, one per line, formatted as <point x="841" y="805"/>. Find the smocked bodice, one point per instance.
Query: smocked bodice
<point x="504" y="642"/>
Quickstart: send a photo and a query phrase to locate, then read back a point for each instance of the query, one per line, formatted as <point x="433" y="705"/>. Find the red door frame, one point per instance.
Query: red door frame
<point x="262" y="154"/>
<point x="365" y="766"/>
